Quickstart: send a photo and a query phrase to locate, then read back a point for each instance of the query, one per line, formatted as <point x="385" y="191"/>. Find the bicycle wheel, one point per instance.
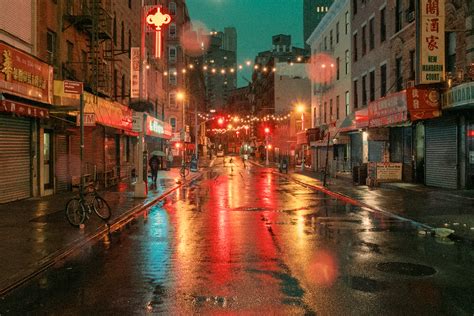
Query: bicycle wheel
<point x="184" y="172"/>
<point x="101" y="208"/>
<point x="75" y="212"/>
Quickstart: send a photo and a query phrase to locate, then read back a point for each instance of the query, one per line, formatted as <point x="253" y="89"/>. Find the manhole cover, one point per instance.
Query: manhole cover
<point x="405" y="268"/>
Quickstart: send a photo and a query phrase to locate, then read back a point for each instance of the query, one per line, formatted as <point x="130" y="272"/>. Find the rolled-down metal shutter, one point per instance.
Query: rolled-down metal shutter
<point x="62" y="163"/>
<point x="441" y="153"/>
<point x="15" y="160"/>
<point x="356" y="149"/>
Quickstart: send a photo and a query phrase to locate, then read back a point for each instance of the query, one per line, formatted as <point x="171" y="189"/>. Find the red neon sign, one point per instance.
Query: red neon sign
<point x="155" y="19"/>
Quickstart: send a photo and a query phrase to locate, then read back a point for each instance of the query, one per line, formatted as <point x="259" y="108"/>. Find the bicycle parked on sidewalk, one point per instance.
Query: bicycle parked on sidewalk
<point x="79" y="208"/>
<point x="184" y="171"/>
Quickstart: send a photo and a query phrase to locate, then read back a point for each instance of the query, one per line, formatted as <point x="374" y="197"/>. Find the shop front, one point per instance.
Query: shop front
<point x="158" y="135"/>
<point x="109" y="140"/>
<point x="454" y="167"/>
<point x="25" y="98"/>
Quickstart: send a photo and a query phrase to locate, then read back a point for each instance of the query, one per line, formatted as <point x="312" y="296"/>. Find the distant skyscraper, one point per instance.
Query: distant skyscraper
<point x="313" y="12"/>
<point x="221" y="59"/>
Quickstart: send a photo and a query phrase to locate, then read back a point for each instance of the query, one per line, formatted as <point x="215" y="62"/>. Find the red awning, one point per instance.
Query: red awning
<point x="23" y="109"/>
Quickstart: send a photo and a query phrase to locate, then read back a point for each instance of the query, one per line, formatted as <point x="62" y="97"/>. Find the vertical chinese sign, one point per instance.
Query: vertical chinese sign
<point x="430" y="41"/>
<point x="134" y="72"/>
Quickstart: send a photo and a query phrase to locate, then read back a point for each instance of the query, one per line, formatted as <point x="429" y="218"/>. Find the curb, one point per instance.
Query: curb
<point x="348" y="199"/>
<point x="108" y="228"/>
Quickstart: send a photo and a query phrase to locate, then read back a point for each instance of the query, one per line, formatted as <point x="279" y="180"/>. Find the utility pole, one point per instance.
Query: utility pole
<point x="141" y="185"/>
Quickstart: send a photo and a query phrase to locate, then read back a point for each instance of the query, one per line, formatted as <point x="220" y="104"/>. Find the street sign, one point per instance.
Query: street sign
<point x="137" y="121"/>
<point x="73" y="87"/>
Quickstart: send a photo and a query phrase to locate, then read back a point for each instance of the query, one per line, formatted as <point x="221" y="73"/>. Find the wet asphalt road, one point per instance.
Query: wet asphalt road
<point x="246" y="241"/>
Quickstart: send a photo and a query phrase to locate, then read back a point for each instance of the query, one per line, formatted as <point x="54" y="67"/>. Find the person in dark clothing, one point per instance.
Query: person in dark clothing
<point x="154" y="164"/>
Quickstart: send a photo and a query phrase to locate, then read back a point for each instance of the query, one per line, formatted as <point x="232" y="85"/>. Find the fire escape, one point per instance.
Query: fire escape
<point x="94" y="18"/>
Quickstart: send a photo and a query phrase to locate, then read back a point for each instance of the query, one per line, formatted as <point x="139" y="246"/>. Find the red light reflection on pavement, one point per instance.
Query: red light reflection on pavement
<point x="323" y="268"/>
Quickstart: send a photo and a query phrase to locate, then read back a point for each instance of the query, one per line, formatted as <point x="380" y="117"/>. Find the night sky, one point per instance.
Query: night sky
<point x="255" y="20"/>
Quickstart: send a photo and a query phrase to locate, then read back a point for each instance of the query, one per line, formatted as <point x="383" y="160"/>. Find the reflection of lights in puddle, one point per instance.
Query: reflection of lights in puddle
<point x="323" y="269"/>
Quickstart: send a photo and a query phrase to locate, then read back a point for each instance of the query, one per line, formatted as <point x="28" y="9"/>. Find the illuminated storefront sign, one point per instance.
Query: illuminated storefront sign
<point x="157" y="128"/>
<point x="431" y="41"/>
<point x="24" y="75"/>
<point x="155" y="19"/>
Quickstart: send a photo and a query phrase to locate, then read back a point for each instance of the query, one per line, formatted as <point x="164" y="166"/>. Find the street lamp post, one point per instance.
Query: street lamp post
<point x="300" y="108"/>
<point x="180" y="96"/>
<point x="267" y="130"/>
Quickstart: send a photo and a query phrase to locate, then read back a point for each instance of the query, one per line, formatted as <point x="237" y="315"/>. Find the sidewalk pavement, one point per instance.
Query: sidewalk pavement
<point x="434" y="207"/>
<point x="35" y="233"/>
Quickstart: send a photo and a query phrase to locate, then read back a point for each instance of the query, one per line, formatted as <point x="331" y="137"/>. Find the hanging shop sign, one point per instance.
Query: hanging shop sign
<point x="22" y="109"/>
<point x="134" y="72"/>
<point x="423" y="103"/>
<point x="459" y="96"/>
<point x="155" y="20"/>
<point x="108" y="113"/>
<point x="430" y="41"/>
<point x="23" y="75"/>
<point x="389" y="110"/>
<point x="158" y="128"/>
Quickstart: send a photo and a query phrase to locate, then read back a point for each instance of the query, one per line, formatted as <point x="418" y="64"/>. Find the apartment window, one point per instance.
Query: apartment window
<point x="172" y="30"/>
<point x="70" y="49"/>
<point x="412" y="65"/>
<point x="364" y="40"/>
<point x="122" y="37"/>
<point x="346" y="21"/>
<point x="84" y="64"/>
<point x="398" y="15"/>
<point x="371" y="34"/>
<point x="51" y="47"/>
<point x="383" y="26"/>
<point x="383" y="80"/>
<point x="330" y="110"/>
<point x="123" y="87"/>
<point x="354" y="43"/>
<point x="173" y="124"/>
<point x="325" y="112"/>
<point x="337" y="67"/>
<point x="347" y="61"/>
<point x="173" y="76"/>
<point x="364" y="90"/>
<point x="398" y="73"/>
<point x="356" y="95"/>
<point x="325" y="43"/>
<point x="337" y="32"/>
<point x="115" y="84"/>
<point x="450" y="52"/>
<point x="337" y="107"/>
<point x="330" y="39"/>
<point x="129" y="4"/>
<point x="172" y="8"/>
<point x="172" y="100"/>
<point x="172" y="53"/>
<point x="354" y="6"/>
<point x="129" y="42"/>
<point x="372" y="85"/>
<point x="114" y="31"/>
<point x="346" y="103"/>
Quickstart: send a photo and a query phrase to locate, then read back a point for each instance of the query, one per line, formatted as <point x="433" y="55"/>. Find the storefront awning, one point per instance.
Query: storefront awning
<point x="21" y="108"/>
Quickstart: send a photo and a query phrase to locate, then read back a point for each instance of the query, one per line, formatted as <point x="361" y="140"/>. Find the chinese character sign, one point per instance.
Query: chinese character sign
<point x="431" y="41"/>
<point x="134" y="72"/>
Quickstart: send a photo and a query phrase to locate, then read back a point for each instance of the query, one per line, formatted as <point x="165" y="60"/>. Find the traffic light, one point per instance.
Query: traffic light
<point x="267" y="130"/>
<point x="220" y="121"/>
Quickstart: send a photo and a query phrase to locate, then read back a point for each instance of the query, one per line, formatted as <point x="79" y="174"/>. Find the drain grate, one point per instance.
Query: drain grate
<point x="405" y="268"/>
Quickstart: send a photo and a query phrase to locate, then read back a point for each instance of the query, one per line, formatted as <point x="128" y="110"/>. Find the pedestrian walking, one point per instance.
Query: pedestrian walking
<point x="245" y="160"/>
<point x="154" y="164"/>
